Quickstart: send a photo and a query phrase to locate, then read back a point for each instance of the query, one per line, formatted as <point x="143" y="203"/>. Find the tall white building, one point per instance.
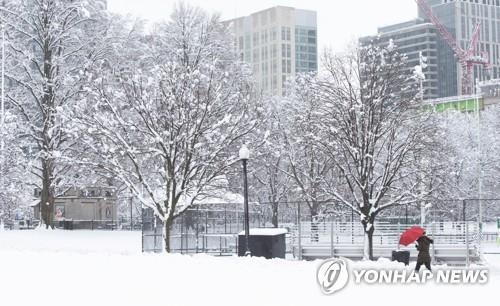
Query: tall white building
<point x="278" y="42"/>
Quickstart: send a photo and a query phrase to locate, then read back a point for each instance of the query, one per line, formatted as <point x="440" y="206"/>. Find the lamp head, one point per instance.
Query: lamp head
<point x="244" y="152"/>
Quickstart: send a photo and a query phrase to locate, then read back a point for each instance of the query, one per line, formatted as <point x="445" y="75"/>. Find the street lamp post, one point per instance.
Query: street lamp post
<point x="244" y="156"/>
<point x="479" y="148"/>
<point x="3" y="94"/>
<point x="406" y="214"/>
<point x="2" y="119"/>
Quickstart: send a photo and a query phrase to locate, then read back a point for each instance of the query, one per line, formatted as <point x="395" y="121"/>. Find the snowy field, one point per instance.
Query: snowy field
<point x="107" y="268"/>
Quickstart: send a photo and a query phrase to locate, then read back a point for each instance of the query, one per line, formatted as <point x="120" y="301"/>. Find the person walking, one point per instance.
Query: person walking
<point x="424" y="257"/>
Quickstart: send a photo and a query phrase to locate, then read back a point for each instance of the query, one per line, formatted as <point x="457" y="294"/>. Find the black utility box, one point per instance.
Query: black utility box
<point x="264" y="242"/>
<point x="401" y="256"/>
<point x="68" y="224"/>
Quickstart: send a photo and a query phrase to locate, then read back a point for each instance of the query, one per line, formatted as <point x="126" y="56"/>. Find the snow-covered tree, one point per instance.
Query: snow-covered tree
<point x="269" y="182"/>
<point x="15" y="183"/>
<point x="469" y="158"/>
<point x="474" y="143"/>
<point x="371" y="124"/>
<point x="48" y="50"/>
<point x="169" y="112"/>
<point x="310" y="169"/>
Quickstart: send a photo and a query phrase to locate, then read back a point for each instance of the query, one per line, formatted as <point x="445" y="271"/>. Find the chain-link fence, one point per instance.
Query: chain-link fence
<point x="214" y="228"/>
<point x="134" y="224"/>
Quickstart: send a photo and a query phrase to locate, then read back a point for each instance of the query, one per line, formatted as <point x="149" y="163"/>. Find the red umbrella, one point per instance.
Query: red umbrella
<point x="411" y="235"/>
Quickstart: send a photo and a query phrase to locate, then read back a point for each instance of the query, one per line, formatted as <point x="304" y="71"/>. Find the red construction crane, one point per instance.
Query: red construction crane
<point x="466" y="58"/>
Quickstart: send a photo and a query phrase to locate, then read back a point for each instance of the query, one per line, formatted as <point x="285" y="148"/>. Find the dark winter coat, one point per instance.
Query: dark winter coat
<point x="423" y="244"/>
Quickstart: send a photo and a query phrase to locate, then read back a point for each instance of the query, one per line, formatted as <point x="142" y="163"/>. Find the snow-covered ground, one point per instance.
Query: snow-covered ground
<point x="107" y="268"/>
<point x="82" y="242"/>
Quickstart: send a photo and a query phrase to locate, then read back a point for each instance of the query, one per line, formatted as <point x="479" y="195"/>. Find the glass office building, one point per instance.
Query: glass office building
<point x="278" y="42"/>
<point x="412" y="38"/>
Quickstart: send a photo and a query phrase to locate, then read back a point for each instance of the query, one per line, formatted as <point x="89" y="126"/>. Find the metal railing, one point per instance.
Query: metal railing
<point x="70" y="224"/>
<point x="328" y="232"/>
<point x="327" y="238"/>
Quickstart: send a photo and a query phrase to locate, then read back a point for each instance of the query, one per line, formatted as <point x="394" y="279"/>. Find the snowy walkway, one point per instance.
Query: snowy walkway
<point x="106" y="268"/>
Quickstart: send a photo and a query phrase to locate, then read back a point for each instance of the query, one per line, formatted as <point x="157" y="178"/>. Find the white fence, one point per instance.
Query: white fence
<point x="453" y="241"/>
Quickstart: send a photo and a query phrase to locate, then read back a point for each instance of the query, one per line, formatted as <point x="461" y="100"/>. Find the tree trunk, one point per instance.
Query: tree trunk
<point x="166" y="233"/>
<point x="368" y="243"/>
<point x="47" y="196"/>
<point x="48" y="112"/>
<point x="275" y="214"/>
<point x="314" y="224"/>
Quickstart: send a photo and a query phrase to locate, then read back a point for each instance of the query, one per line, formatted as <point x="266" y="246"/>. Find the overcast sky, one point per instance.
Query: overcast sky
<point x="339" y="21"/>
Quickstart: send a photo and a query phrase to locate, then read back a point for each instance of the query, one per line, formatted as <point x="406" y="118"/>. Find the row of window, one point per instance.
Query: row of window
<point x="90" y="193"/>
<point x="430" y="32"/>
<point x="305" y="32"/>
<point x="302" y="48"/>
<point x="423" y="48"/>
<point x="305" y="56"/>
<point x="264" y="37"/>
<point x="263" y="68"/>
<point x="485" y="2"/>
<point x="271" y="35"/>
<point x="305" y="40"/>
<point x="304" y="66"/>
<point x="264" y="53"/>
<point x="286" y="66"/>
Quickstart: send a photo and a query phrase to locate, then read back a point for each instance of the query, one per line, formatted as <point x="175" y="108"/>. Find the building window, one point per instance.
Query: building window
<point x="255" y="39"/>
<point x="263" y="37"/>
<point x="248" y="41"/>
<point x="241" y="43"/>
<point x="255" y="55"/>
<point x="286" y="33"/>
<point x="274" y="34"/>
